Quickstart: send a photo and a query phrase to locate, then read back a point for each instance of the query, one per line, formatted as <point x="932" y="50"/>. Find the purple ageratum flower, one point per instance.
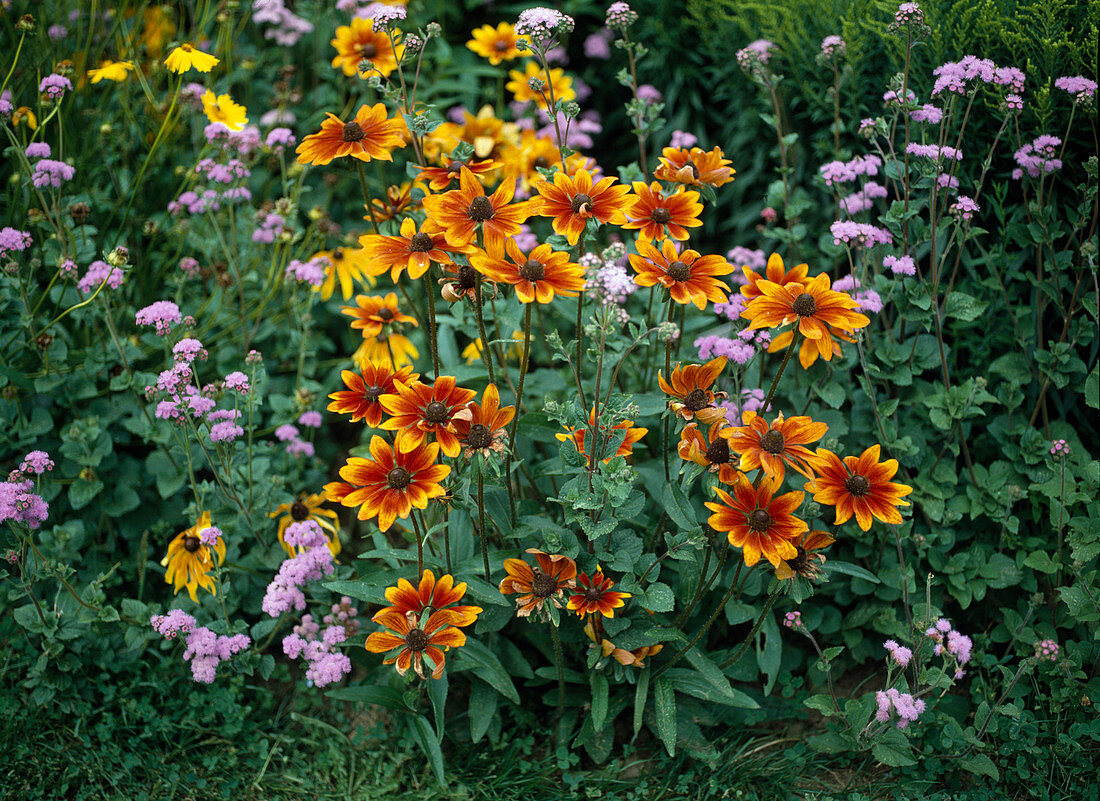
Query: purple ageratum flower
<point x="311" y="419"/>
<point x="906" y="15"/>
<point x="928" y="114"/>
<point x="237" y="381"/>
<point x="206" y="650"/>
<point x="833" y="46"/>
<point x="284" y="592"/>
<point x="225" y="431"/>
<point x="278" y="139"/>
<point x="904" y="705"/>
<point x="1082" y="89"/>
<point x="18" y="502"/>
<point x="761" y="48"/>
<point x="176" y="621"/>
<point x="934" y="152"/>
<point x="1010" y="76"/>
<point x="855" y="234"/>
<point x="190" y="267"/>
<point x="299" y="448"/>
<point x="188" y="349"/>
<point x="683" y="139"/>
<point x="649" y="93"/>
<point x="199" y="405"/>
<point x="1037" y="157"/>
<point x="620" y="15"/>
<point x="55" y="86"/>
<point x="540" y="24"/>
<point x="163" y="315"/>
<point x="37" y="150"/>
<point x="1059" y="449"/>
<point x="310" y="272"/>
<point x="57" y="32"/>
<point x="746" y="257"/>
<point x="210" y="535"/>
<point x="1046" y="651"/>
<point x="48" y="172"/>
<point x="899" y="653"/>
<point x="168" y="410"/>
<point x="100" y="272"/>
<point x="6" y="107"/>
<point x="900" y="265"/>
<point x="891" y="98"/>
<point x="306" y="534"/>
<point x="287" y="432"/>
<point x="963" y="208"/>
<point x="598" y="45"/>
<point x="37" y="462"/>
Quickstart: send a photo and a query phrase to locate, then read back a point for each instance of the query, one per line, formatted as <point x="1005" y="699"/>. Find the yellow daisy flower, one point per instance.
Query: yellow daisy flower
<point x="221" y="108"/>
<point x="112" y="71"/>
<point x="187" y="56"/>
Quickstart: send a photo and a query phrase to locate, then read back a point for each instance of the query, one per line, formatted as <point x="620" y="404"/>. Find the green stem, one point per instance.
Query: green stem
<point x="752" y="634"/>
<point x="522" y="371"/>
<point x="558" y="659"/>
<point x="483" y="534"/>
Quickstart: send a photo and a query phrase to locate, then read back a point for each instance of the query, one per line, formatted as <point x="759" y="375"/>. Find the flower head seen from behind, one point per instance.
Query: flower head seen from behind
<point x="189" y="561"/>
<point x="806" y="563"/>
<point x="594" y="594"/>
<point x="688" y="277"/>
<point x="430" y="594"/>
<point x="758" y="522"/>
<point x="369" y="135"/>
<point x="694" y="166"/>
<point x="390" y="484"/>
<point x="859" y="486"/>
<point x="221" y="108"/>
<point x="187" y="56"/>
<point x="416" y="638"/>
<point x="307" y="507"/>
<point x="535" y="587"/>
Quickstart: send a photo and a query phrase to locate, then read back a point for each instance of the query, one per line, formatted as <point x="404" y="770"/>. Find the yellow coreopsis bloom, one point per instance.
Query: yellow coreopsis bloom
<point x="187" y="56"/>
<point x="221" y="108"/>
<point x="112" y="71"/>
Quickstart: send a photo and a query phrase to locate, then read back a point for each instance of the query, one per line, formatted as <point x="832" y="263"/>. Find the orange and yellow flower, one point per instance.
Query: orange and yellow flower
<point x="860" y="486"/>
<point x="688" y="277"/>
<point x="771" y="446"/>
<point x="440" y="178"/>
<point x="413" y="250"/>
<point x="757" y="522"/>
<point x="522" y="92"/>
<point x="532" y="153"/>
<point x="689" y="388"/>
<point x="573" y="200"/>
<point x="775" y="273"/>
<point x="375" y="314"/>
<point x="805" y="564"/>
<point x="189" y="561"/>
<point x="536" y="586"/>
<point x="711" y="451"/>
<point x="537" y="276"/>
<point x="308" y="507"/>
<point x="416" y="638"/>
<point x="633" y="436"/>
<point x="344" y="265"/>
<point x="360" y="399"/>
<point x="594" y="594"/>
<point x="390" y="484"/>
<point x="187" y="56"/>
<point x="389" y="350"/>
<point x="361" y="42"/>
<point x="480" y="426"/>
<point x="496" y="44"/>
<point x="654" y="213"/>
<point x="370" y="135"/>
<point x="817" y="309"/>
<point x="693" y="167"/>
<point x="417" y="410"/>
<point x="396" y="200"/>
<point x="461" y="211"/>
<point x="431" y="595"/>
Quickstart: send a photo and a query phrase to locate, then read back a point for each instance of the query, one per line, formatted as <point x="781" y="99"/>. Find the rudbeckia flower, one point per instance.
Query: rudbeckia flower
<point x="360" y="42"/>
<point x="376" y="313"/>
<point x="594" y="594"/>
<point x="689" y="388"/>
<point x="860" y="486"/>
<point x="521" y="89"/>
<point x="635" y="658"/>
<point x="440" y="178"/>
<point x="771" y="446"/>
<point x="413" y="250"/>
<point x="419" y="409"/>
<point x="688" y="277"/>
<point x="364" y="388"/>
<point x="396" y="200"/>
<point x="390" y="484"/>
<point x="187" y="56"/>
<point x="757" y="522"/>
<point x="111" y="71"/>
<point x="308" y="507"/>
<point x="370" y="135"/>
<point x="189" y="560"/>
<point x="480" y="427"/>
<point x="460" y="212"/>
<point x="416" y="638"/>
<point x="654" y="214"/>
<point x="775" y="273"/>
<point x="633" y="436"/>
<point x="693" y="167"/>
<point x="711" y="451"/>
<point x="573" y="200"/>
<point x="537" y="276"/>
<point x="345" y="265"/>
<point x="432" y="595"/>
<point x="393" y="351"/>
<point x="496" y="44"/>
<point x="547" y="582"/>
<point x="221" y="108"/>
<point x="805" y="564"/>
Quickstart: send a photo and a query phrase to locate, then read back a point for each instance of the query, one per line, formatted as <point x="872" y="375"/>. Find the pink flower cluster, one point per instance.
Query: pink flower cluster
<point x="220" y="173"/>
<point x="864" y="199"/>
<point x="751" y="400"/>
<point x="285" y="591"/>
<point x="793" y="620"/>
<point x="903" y="705"/>
<point x="859" y="234"/>
<point x="287" y="28"/>
<point x="950" y="642"/>
<point x="745" y="257"/>
<point x="1059" y="449"/>
<point x="841" y="172"/>
<point x="961" y="76"/>
<point x="205" y="650"/>
<point x="927" y="113"/>
<point x="1046" y="651"/>
<point x="833" y="46"/>
<point x="753" y="58"/>
<point x="541" y="24"/>
<point x="38" y="462"/>
<point x="1037" y="157"/>
<point x="37" y="150"/>
<point x="740" y="348"/>
<point x="162" y="314"/>
<point x="868" y="299"/>
<point x="310" y="272"/>
<point x="325" y="665"/>
<point x="934" y="152"/>
<point x="100" y="272"/>
<point x="55" y="86"/>
<point x="270" y="226"/>
<point x="899" y="653"/>
<point x="12" y="239"/>
<point x="49" y="172"/>
<point x="295" y="445"/>
<point x="20" y="503"/>
<point x="1082" y="89"/>
<point x="900" y="265"/>
<point x="963" y="208"/>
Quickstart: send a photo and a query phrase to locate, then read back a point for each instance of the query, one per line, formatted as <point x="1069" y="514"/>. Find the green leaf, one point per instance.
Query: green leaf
<point x="717" y="679"/>
<point x="1092" y="388"/>
<point x="641" y="692"/>
<point x="483" y="708"/>
<point x="1041" y="561"/>
<point x="832" y="393"/>
<point x="658" y="597"/>
<point x="492" y="671"/>
<point x="664" y="701"/>
<point x="428" y="741"/>
<point x="822" y="703"/>
<point x="437" y="692"/>
<point x="893" y="749"/>
<point x="963" y="307"/>
<point x="848" y="569"/>
<point x="81" y="492"/>
<point x="679" y="508"/>
<point x="981" y="765"/>
<point x="370" y="694"/>
<point x="598" y="681"/>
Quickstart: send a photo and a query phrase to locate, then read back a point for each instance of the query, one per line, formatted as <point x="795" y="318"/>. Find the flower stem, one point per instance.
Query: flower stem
<point x="752" y="634"/>
<point x="558" y="659"/>
<point x="522" y="371"/>
<point x="481" y="521"/>
<point x="433" y="334"/>
<point x="486" y="351"/>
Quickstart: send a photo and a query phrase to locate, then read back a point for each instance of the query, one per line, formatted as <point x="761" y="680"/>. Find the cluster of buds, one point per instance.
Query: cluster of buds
<point x="910" y="18"/>
<point x="620" y="17"/>
<point x="833" y="48"/>
<point x="1059" y="449"/>
<point x="1046" y="651"/>
<point x="793" y="620"/>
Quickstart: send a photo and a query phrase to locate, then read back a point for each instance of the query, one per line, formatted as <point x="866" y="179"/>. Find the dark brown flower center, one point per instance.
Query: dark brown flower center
<point x="857" y="485"/>
<point x="337" y="255"/>
<point x="694" y="169"/>
<point x="416" y="640"/>
<point x="421" y="243"/>
<point x="804" y="305"/>
<point x="543" y="585"/>
<point x="696" y="400"/>
<point x="353" y="132"/>
<point x="593" y="594"/>
<point x="759" y="520"/>
<point x="542" y="161"/>
<point x="678" y="271"/>
<point x="373" y="393"/>
<point x="500" y="46"/>
<point x="455" y="168"/>
<point x="299" y="511"/>
<point x="582" y="203"/>
<point x="435" y="412"/>
<point x="467" y="277"/>
<point x="718" y="452"/>
<point x="398" y="478"/>
<point x="772" y="442"/>
<point x="801" y="563"/>
<point x="533" y="270"/>
<point x="191" y="544"/>
<point x="386" y="313"/>
<point x="367" y="50"/>
<point x="662" y="216"/>
<point x="479" y="437"/>
<point x="481" y="209"/>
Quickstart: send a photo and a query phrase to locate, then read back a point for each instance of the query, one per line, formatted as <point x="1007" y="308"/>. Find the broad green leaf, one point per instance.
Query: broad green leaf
<point x="848" y="569"/>
<point x="893" y="749"/>
<point x="437" y="692"/>
<point x="428" y="741"/>
<point x="370" y="694"/>
<point x="641" y="692"/>
<point x="664" y="702"/>
<point x="483" y="707"/>
<point x="491" y="670"/>
<point x="679" y="508"/>
<point x="598" y="682"/>
<point x="981" y="765"/>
